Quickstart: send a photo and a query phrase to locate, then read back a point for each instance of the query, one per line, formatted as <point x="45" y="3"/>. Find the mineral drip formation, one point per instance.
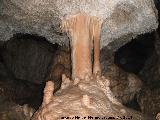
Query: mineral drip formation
<point x="84" y="32"/>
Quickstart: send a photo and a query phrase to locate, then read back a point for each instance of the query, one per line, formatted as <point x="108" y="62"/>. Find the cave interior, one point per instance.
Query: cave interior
<point x="28" y="61"/>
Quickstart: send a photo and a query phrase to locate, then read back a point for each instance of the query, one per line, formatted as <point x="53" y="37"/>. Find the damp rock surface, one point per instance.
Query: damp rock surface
<point x="88" y="97"/>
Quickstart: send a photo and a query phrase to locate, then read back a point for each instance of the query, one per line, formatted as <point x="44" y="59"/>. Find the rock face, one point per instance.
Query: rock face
<point x="82" y="98"/>
<point x="125" y="86"/>
<point x="122" y="19"/>
<point x="26" y="63"/>
<point x="28" y="57"/>
<point x="61" y="64"/>
<point x="149" y="101"/>
<point x="150" y="73"/>
<point x="20" y="91"/>
<point x="12" y="111"/>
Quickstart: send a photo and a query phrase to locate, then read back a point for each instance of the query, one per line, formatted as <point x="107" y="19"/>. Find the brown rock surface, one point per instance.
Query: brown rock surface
<point x="149" y="101"/>
<point x="61" y="64"/>
<point x="12" y="111"/>
<point x="125" y="86"/>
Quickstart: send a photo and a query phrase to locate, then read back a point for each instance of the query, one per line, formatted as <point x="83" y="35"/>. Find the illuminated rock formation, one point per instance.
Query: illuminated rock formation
<point x="88" y="97"/>
<point x="84" y="32"/>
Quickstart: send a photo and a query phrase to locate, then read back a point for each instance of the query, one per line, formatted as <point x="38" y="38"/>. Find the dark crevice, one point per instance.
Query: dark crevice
<point x="132" y="56"/>
<point x="134" y="105"/>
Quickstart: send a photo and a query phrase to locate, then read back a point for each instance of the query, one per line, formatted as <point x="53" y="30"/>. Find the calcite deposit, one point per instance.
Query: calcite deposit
<point x="88" y="97"/>
<point x="84" y="32"/>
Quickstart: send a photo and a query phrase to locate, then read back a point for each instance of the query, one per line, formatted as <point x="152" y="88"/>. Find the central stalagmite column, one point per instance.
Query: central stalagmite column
<point x="84" y="32"/>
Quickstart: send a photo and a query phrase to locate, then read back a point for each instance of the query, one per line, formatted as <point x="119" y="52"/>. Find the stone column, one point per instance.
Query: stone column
<point x="83" y="30"/>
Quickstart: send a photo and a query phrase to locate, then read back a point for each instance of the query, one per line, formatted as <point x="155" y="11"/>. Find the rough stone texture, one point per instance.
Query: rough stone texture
<point x="158" y="116"/>
<point x="61" y="64"/>
<point x="88" y="97"/>
<point x="20" y="91"/>
<point x="123" y="19"/>
<point x="28" y="57"/>
<point x="150" y="73"/>
<point x="23" y="82"/>
<point x="149" y="101"/>
<point x="125" y="86"/>
<point x="12" y="111"/>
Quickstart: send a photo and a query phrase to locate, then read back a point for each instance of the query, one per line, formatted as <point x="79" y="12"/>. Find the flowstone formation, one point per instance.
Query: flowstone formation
<point x="85" y="98"/>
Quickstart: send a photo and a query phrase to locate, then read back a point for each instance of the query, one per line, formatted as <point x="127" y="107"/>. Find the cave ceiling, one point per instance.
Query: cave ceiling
<point x="122" y="19"/>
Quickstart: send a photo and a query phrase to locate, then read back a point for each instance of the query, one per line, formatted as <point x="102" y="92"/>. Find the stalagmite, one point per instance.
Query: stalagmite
<point x="86" y="101"/>
<point x="84" y="32"/>
<point x="48" y="92"/>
